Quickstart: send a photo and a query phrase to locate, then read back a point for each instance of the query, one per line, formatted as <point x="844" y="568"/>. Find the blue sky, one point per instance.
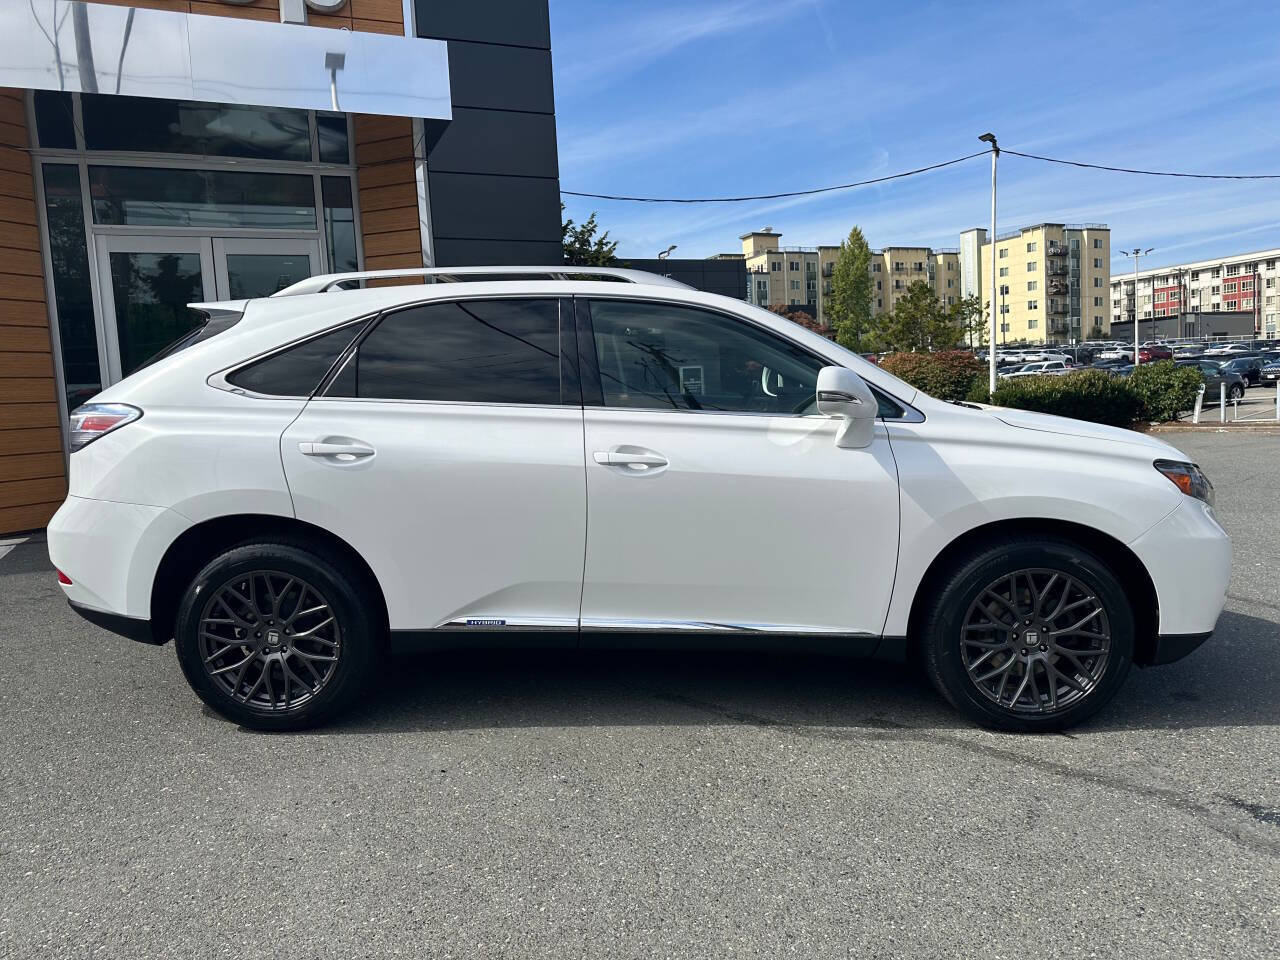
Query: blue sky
<point x="729" y="97"/>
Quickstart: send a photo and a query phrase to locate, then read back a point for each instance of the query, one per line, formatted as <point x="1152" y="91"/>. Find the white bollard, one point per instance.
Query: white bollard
<point x="1278" y="400"/>
<point x="1222" y="402"/>
<point x="1195" y="416"/>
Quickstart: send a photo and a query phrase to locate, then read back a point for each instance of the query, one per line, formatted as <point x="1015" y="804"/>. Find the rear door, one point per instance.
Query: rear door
<point x="447" y="449"/>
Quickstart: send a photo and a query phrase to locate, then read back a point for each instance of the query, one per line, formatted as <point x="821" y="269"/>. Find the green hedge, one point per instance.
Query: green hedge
<point x="1164" y="389"/>
<point x="1084" y="395"/>
<point x="948" y="375"/>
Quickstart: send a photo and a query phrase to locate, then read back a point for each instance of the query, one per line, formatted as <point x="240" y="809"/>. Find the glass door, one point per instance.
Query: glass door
<point x="146" y="284"/>
<point x="258" y="268"/>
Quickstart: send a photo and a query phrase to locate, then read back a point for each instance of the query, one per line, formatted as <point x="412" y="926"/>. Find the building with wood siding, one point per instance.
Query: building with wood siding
<point x="122" y="199"/>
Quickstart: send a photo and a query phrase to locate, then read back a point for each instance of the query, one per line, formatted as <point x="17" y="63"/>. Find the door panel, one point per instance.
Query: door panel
<point x="464" y="511"/>
<point x="761" y="523"/>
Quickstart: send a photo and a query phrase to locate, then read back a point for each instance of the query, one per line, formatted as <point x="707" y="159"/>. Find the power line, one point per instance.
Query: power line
<point x="1148" y="173"/>
<point x="777" y="196"/>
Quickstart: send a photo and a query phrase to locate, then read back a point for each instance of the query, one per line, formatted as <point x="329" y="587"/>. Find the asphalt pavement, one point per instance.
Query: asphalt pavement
<point x="646" y="805"/>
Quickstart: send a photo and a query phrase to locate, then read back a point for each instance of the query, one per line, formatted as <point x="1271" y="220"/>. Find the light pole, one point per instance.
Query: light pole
<point x="991" y="354"/>
<point x="666" y="253"/>
<point x="1136" y="253"/>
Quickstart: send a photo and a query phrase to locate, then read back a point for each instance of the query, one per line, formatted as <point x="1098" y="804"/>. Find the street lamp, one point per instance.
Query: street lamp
<point x="666" y="253"/>
<point x="1136" y="253"/>
<point x="991" y="354"/>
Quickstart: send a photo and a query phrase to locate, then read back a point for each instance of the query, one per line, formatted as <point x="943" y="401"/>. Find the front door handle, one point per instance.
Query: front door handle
<point x="345" y="451"/>
<point x="637" y="461"/>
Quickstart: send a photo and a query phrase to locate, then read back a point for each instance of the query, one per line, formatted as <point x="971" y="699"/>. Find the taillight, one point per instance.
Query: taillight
<point x="64" y="579"/>
<point x="93" y="420"/>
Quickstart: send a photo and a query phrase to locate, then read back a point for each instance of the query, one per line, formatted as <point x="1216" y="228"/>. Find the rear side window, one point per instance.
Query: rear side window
<point x="466" y="351"/>
<point x="296" y="371"/>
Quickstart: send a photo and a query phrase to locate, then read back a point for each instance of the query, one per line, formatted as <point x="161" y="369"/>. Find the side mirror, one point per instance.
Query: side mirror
<point x="844" y="395"/>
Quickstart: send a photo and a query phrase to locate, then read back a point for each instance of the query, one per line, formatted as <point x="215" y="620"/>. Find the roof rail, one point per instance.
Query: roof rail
<point x="326" y="282"/>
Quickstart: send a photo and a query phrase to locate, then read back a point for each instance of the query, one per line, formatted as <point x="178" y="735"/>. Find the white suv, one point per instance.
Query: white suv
<point x="315" y="480"/>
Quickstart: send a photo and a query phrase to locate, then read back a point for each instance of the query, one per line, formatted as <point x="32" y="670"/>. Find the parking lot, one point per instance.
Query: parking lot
<point x="646" y="805"/>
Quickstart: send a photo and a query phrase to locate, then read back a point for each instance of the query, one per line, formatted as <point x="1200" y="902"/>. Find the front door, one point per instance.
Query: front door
<point x="147" y="282"/>
<point x="718" y="500"/>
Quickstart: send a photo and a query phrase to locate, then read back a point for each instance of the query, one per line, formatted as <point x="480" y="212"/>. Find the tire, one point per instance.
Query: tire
<point x="310" y="640"/>
<point x="1235" y="392"/>
<point x="990" y="672"/>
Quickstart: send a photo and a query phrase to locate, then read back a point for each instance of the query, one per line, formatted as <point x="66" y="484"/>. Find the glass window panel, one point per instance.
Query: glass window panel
<point x="55" y="122"/>
<point x="331" y="131"/>
<point x="661" y="356"/>
<point x="297" y="371"/>
<point x="478" y="351"/>
<point x="72" y="294"/>
<point x="146" y="125"/>
<point x="151" y="293"/>
<point x="251" y="275"/>
<point x="339" y="224"/>
<point x="153" y="196"/>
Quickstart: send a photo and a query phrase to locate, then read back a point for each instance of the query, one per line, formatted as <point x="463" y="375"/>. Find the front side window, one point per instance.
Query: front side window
<point x="668" y="357"/>
<point x="464" y="351"/>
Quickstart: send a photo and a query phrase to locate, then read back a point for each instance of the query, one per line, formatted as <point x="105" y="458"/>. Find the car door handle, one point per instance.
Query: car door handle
<point x="639" y="461"/>
<point x="345" y="451"/>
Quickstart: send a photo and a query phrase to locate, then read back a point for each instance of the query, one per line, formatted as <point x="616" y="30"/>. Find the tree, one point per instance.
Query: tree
<point x="921" y="322"/>
<point x="849" y="307"/>
<point x="581" y="245"/>
<point x="803" y="318"/>
<point x="969" y="314"/>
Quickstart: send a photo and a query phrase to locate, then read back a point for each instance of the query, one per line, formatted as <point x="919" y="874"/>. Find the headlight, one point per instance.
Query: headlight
<point x="1188" y="478"/>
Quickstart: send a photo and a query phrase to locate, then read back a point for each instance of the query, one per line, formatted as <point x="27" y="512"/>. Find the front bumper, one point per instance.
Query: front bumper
<point x="1188" y="556"/>
<point x="1171" y="647"/>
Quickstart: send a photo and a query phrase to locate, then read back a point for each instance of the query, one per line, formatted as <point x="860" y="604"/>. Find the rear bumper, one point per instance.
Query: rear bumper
<point x="131" y="628"/>
<point x="1171" y="647"/>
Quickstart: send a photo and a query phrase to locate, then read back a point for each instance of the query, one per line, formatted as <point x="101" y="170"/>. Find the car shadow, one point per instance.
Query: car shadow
<point x="1230" y="681"/>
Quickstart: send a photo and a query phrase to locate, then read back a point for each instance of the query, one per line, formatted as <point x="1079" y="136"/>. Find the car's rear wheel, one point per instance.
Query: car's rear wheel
<point x="1028" y="635"/>
<point x="275" y="635"/>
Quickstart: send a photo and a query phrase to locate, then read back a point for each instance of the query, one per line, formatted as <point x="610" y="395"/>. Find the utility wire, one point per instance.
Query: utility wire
<point x="1148" y="173"/>
<point x="777" y="196"/>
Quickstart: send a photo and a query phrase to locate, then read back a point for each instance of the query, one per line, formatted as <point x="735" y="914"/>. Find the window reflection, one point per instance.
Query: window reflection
<point x="73" y="297"/>
<point x="152" y="196"/>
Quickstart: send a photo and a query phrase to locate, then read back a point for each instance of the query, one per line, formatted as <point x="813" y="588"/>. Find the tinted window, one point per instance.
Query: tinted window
<point x="297" y="371"/>
<point x="668" y="357"/>
<point x="476" y="351"/>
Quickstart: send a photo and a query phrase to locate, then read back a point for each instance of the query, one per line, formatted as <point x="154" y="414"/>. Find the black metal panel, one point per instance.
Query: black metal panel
<point x="725" y="277"/>
<point x="480" y="207"/>
<point x="493" y="141"/>
<point x="520" y="22"/>
<point x="500" y="78"/>
<point x="462" y="253"/>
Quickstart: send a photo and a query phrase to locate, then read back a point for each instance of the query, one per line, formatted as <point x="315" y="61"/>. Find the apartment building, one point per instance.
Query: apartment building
<point x="801" y="277"/>
<point x="1054" y="280"/>
<point x="1244" y="282"/>
<point x="780" y="276"/>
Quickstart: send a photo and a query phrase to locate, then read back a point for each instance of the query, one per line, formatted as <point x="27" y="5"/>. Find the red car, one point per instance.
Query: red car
<point x="1147" y="354"/>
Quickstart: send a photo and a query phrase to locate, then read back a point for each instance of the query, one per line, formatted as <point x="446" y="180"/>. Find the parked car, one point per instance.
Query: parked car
<point x="1117" y="353"/>
<point x="1228" y="350"/>
<point x="1215" y="377"/>
<point x="1271" y="371"/>
<point x="1052" y="367"/>
<point x="598" y="463"/>
<point x="1250" y="368"/>
<point x="1147" y="354"/>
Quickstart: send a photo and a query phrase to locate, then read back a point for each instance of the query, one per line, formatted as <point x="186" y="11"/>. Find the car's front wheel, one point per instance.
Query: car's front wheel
<point x="1235" y="392"/>
<point x="275" y="635"/>
<point x="1030" y="635"/>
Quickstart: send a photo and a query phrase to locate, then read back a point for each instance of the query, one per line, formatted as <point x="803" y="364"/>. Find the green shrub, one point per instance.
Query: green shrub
<point x="979" y="393"/>
<point x="1165" y="390"/>
<point x="949" y="375"/>
<point x="1085" y="395"/>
